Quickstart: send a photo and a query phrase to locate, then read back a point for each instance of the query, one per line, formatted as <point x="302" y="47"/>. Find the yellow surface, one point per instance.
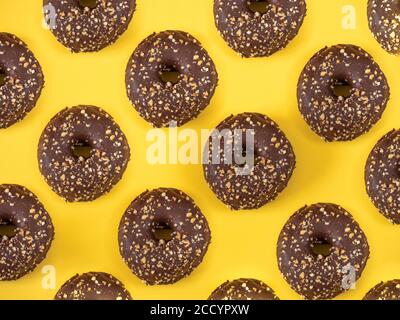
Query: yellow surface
<point x="244" y="243"/>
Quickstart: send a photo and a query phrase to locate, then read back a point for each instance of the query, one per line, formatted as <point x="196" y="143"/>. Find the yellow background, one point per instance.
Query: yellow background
<point x="243" y="243"/>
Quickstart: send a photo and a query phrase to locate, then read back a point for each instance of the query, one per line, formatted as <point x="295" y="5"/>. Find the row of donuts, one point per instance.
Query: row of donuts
<point x="84" y="176"/>
<point x="103" y="286"/>
<point x="253" y="28"/>
<point x="160" y="102"/>
<point x="163" y="236"/>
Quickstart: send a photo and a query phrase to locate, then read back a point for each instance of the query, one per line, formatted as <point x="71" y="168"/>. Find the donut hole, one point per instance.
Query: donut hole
<point x="169" y="74"/>
<point x="91" y="4"/>
<point x="2" y="78"/>
<point x="7" y="229"/>
<point x="341" y="88"/>
<point x="82" y="149"/>
<point x="321" y="247"/>
<point x="258" y="6"/>
<point x="162" y="232"/>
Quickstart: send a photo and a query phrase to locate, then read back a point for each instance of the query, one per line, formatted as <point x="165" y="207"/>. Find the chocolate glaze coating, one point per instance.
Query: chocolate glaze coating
<point x="77" y="178"/>
<point x="255" y="34"/>
<point x="159" y="261"/>
<point x="382" y="176"/>
<point x="315" y="276"/>
<point x="23" y="251"/>
<point x="243" y="289"/>
<point x="383" y="23"/>
<point x="160" y="102"/>
<point x="274" y="162"/>
<point x="82" y="29"/>
<point x="389" y="290"/>
<point x="24" y="80"/>
<point x="337" y="118"/>
<point x="93" y="286"/>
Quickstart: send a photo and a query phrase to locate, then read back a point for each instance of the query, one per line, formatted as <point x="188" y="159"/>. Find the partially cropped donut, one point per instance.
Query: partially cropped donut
<point x="88" y="25"/>
<point x="27" y="245"/>
<point x="163" y="236"/>
<point x="322" y="273"/>
<point x="389" y="290"/>
<point x="82" y="153"/>
<point x="383" y="20"/>
<point x="93" y="286"/>
<point x="160" y="100"/>
<point x="262" y="31"/>
<point x="243" y="289"/>
<point x="21" y="80"/>
<point x="382" y="178"/>
<point x="342" y="92"/>
<point x="266" y="168"/>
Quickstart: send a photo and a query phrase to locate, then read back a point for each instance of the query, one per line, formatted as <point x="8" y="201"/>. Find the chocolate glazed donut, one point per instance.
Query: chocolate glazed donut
<point x="163" y="236"/>
<point x="89" y="25"/>
<point x="160" y="100"/>
<point x="82" y="153"/>
<point x="389" y="290"/>
<point x="270" y="172"/>
<point x="381" y="176"/>
<point x="21" y="80"/>
<point x="342" y="92"/>
<point x="258" y="31"/>
<point x="243" y="289"/>
<point x="27" y="246"/>
<point x="315" y="272"/>
<point x="384" y="24"/>
<point x="93" y="286"/>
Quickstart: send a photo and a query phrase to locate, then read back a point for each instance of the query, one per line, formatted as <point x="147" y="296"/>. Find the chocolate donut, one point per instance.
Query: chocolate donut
<point x="243" y="289"/>
<point x="93" y="286"/>
<point x="342" y="92"/>
<point x="258" y="28"/>
<point x="163" y="236"/>
<point x="381" y="176"/>
<point x="88" y="25"/>
<point x="180" y="97"/>
<point x="389" y="290"/>
<point x="269" y="171"/>
<point x="330" y="270"/>
<point x="82" y="153"/>
<point x="30" y="232"/>
<point x="384" y="24"/>
<point x="21" y="80"/>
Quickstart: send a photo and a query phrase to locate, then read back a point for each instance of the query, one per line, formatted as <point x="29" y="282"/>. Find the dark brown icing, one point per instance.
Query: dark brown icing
<point x="84" y="29"/>
<point x="22" y="252"/>
<point x="23" y="82"/>
<point x="382" y="176"/>
<point x="274" y="162"/>
<point x="316" y="276"/>
<point x="93" y="286"/>
<point x="76" y="178"/>
<point x="389" y="290"/>
<point x="163" y="261"/>
<point x="160" y="102"/>
<point x="243" y="289"/>
<point x="336" y="117"/>
<point x="256" y="34"/>
<point x="383" y="19"/>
